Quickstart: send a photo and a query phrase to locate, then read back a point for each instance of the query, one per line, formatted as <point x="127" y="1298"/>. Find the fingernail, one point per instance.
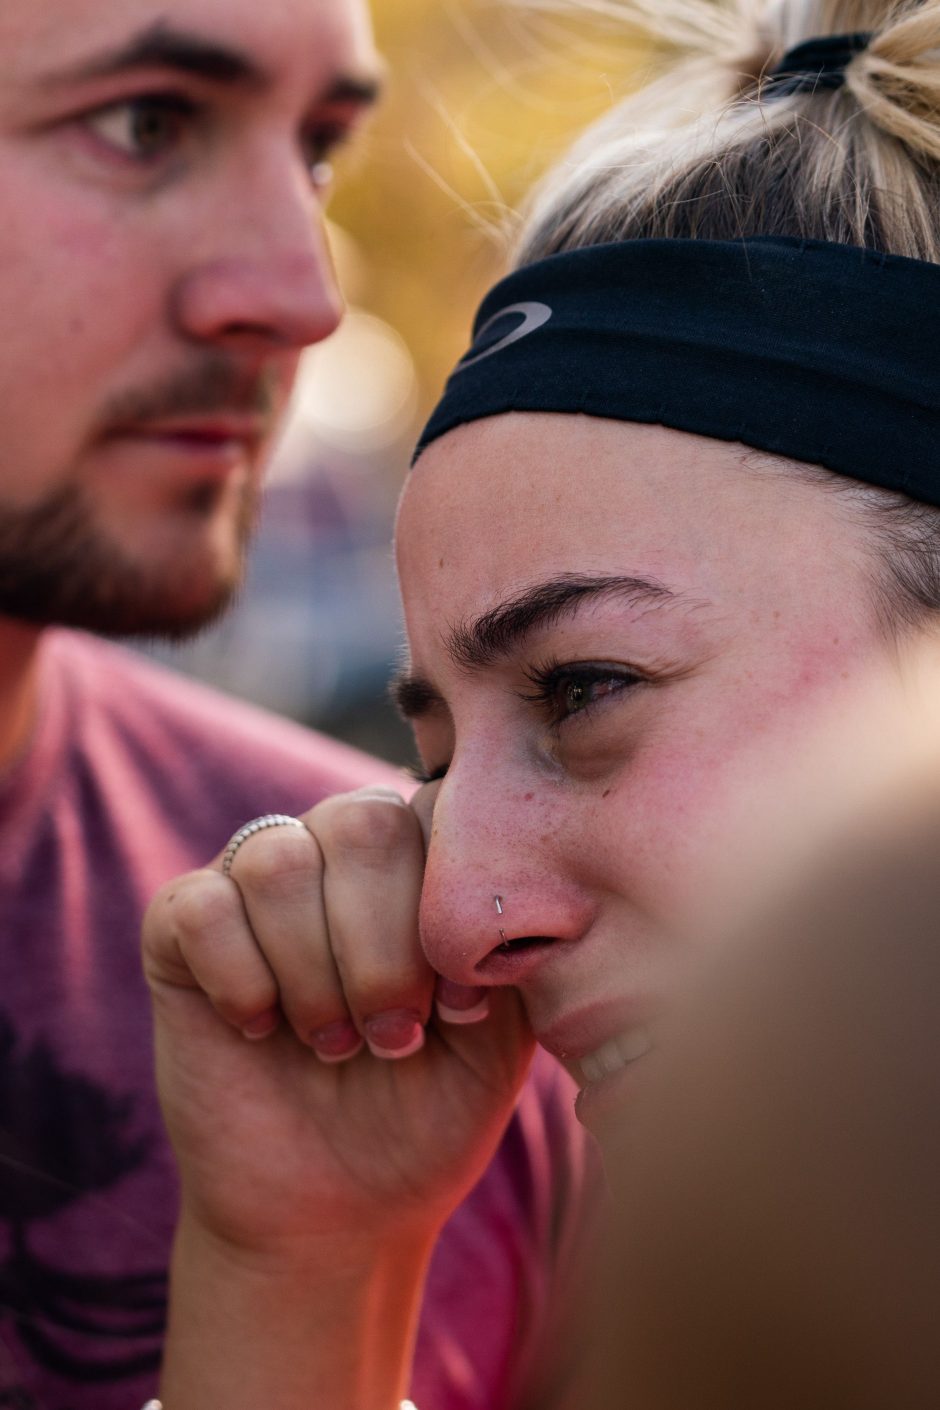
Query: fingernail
<point x="395" y="1034"/>
<point x="262" y="1026"/>
<point x="336" y="1042"/>
<point x="460" y="1003"/>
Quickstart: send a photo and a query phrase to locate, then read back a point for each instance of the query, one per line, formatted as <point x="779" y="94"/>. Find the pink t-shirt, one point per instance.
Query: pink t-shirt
<point x="132" y="776"/>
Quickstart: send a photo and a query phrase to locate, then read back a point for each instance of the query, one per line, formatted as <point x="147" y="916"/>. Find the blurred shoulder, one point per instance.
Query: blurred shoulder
<point x="116" y="697"/>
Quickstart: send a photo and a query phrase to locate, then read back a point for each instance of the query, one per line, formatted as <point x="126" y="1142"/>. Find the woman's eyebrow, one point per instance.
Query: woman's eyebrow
<point x="481" y="641"/>
<point x="414" y="696"/>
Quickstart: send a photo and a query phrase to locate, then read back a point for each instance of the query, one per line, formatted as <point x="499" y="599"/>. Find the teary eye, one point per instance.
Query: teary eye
<point x="573" y="689"/>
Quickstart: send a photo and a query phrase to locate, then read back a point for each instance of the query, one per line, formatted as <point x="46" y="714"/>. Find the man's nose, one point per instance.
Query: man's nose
<point x="499" y="891"/>
<point x="263" y="277"/>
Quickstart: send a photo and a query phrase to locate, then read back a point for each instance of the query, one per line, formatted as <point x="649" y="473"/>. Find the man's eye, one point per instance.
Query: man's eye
<point x="320" y="144"/>
<point x="143" y="128"/>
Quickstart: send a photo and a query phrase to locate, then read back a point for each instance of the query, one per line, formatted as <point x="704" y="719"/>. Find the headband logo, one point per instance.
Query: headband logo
<point x="533" y="316"/>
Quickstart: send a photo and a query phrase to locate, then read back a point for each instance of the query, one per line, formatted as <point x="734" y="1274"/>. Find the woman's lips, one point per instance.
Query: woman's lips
<point x="607" y="1076"/>
<point x="613" y="1056"/>
<point x="601" y="1105"/>
<point x="602" y="1067"/>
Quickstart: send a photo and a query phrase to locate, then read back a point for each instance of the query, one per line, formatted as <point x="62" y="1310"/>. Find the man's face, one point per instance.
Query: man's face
<point x="163" y="171"/>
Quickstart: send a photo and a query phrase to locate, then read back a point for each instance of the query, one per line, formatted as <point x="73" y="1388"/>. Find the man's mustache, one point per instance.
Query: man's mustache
<point x="211" y="386"/>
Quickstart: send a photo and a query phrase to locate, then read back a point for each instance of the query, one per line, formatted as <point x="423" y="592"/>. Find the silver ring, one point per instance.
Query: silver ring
<point x="249" y="830"/>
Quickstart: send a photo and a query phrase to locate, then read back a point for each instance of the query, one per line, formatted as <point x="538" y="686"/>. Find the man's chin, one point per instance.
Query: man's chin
<point x="168" y="621"/>
<point x="131" y="614"/>
<point x="171" y="596"/>
<point x="59" y="567"/>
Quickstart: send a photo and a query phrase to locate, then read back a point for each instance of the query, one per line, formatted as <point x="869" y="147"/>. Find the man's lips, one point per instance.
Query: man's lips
<point x="208" y="431"/>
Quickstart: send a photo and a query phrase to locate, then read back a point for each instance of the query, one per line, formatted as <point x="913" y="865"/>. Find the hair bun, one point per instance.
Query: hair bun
<point x="703" y="153"/>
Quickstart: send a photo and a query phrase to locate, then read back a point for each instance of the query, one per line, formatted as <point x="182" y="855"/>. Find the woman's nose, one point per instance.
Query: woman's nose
<point x="499" y="892"/>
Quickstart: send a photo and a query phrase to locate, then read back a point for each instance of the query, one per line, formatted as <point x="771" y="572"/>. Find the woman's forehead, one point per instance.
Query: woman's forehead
<point x="525" y="466"/>
<point x="500" y="505"/>
<point x="525" y="486"/>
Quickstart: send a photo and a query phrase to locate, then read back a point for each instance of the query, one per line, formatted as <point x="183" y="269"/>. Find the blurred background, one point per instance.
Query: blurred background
<point x="481" y="98"/>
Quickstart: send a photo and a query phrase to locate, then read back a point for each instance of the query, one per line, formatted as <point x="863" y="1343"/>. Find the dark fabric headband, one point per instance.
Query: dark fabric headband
<point x="819" y="63"/>
<point x="820" y="352"/>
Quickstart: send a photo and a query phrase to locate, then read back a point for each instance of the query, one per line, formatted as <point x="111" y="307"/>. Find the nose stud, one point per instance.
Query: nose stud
<point x="499" y="910"/>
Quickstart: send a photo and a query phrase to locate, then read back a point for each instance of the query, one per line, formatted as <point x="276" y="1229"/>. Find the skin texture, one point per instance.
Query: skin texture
<point x="774" y="1192"/>
<point x="304" y="1266"/>
<point x="598" y="812"/>
<point x="162" y="264"/>
<point x="312" y="929"/>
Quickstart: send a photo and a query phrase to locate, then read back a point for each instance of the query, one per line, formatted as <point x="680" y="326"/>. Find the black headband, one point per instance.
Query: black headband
<point x="818" y="352"/>
<point x="819" y="63"/>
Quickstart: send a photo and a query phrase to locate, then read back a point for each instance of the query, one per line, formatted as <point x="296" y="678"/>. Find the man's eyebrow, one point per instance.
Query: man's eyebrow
<point x="483" y="640"/>
<point x="364" y="89"/>
<point x="164" y="46"/>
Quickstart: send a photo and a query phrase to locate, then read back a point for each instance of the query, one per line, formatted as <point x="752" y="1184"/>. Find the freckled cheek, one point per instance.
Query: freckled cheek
<point x="688" y="801"/>
<point x="652" y="835"/>
<point x="638" y="834"/>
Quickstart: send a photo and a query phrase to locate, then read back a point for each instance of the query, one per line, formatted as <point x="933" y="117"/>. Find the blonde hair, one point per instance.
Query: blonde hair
<point x="711" y="150"/>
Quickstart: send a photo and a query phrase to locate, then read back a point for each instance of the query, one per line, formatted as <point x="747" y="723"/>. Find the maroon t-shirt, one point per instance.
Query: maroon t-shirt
<point x="134" y="775"/>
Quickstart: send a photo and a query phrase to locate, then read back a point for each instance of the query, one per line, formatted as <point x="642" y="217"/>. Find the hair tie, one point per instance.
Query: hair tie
<point x="815" y="64"/>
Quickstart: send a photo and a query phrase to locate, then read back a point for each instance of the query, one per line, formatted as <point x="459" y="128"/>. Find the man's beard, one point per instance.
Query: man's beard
<point x="57" y="566"/>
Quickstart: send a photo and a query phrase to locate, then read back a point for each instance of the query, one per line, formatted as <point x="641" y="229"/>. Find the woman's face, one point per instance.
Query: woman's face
<point x="619" y="635"/>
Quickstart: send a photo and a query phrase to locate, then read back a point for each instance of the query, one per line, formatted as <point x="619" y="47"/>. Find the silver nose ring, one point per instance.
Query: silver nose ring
<point x="499" y="910"/>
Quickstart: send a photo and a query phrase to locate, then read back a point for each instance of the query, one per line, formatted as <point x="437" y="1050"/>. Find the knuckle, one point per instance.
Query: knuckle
<point x="155" y="917"/>
<point x="276" y="864"/>
<point x="376" y="988"/>
<point x="371" y="829"/>
<point x="198" y="906"/>
<point x="239" y="1009"/>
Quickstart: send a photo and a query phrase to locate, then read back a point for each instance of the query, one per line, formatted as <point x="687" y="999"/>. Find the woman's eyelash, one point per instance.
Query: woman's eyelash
<point x="560" y="690"/>
<point x="569" y="689"/>
<point x="422" y="775"/>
